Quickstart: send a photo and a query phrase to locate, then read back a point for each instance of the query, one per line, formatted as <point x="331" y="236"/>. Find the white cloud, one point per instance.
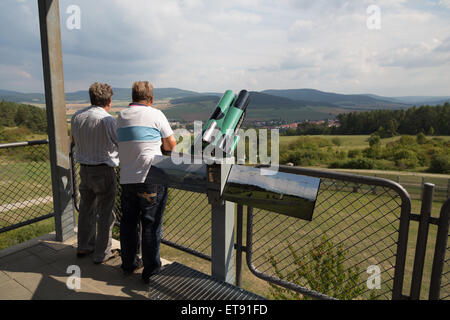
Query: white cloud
<point x="445" y="3"/>
<point x="255" y="44"/>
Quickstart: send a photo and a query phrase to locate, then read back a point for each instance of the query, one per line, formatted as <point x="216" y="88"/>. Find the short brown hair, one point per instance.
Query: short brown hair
<point x="142" y="91"/>
<point x="100" y="94"/>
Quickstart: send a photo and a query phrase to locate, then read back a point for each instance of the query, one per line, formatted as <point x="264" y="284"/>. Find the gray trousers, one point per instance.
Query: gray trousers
<point x="98" y="189"/>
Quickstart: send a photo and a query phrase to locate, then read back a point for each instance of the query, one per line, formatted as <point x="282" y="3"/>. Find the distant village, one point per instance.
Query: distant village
<point x="270" y="124"/>
<point x="284" y="125"/>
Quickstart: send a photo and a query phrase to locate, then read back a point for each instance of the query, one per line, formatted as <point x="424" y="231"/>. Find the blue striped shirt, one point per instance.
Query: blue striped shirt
<point x="139" y="130"/>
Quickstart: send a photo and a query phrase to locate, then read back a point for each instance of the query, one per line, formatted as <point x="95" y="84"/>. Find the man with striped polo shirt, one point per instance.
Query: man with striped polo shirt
<point x="142" y="131"/>
<point x="94" y="133"/>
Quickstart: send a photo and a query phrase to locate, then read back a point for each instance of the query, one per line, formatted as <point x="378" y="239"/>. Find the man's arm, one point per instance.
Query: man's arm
<point x="169" y="143"/>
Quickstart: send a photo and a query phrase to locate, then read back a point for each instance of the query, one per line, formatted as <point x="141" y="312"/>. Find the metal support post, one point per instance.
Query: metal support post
<point x="56" y="118"/>
<point x="422" y="237"/>
<point x="222" y="224"/>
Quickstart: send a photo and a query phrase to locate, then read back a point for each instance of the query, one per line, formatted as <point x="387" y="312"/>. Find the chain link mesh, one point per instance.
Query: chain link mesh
<point x="445" y="281"/>
<point x="25" y="184"/>
<point x="445" y="277"/>
<point x="359" y="221"/>
<point x="186" y="221"/>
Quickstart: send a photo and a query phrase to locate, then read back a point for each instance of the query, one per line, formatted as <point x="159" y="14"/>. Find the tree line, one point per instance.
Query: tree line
<point x="431" y="120"/>
<point x="20" y="115"/>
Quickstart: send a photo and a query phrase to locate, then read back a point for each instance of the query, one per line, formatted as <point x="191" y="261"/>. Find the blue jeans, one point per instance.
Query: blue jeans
<point x="145" y="202"/>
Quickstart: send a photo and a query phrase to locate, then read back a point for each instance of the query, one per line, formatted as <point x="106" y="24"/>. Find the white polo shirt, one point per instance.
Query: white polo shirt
<point x="139" y="130"/>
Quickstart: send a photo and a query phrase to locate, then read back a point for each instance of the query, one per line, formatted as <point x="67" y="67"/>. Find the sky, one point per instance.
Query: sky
<point x="384" y="47"/>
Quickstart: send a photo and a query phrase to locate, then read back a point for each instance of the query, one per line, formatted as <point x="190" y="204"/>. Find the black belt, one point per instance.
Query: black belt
<point x="94" y="165"/>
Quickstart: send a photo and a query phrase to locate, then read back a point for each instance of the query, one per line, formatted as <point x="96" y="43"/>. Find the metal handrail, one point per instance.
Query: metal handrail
<point x="358" y="179"/>
<point x="23" y="144"/>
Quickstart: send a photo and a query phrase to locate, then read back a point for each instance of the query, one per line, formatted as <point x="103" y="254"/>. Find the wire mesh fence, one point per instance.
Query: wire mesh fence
<point x="445" y="271"/>
<point x="445" y="287"/>
<point x="186" y="220"/>
<point x="354" y="230"/>
<point x="25" y="184"/>
<point x="355" y="227"/>
<point x="413" y="183"/>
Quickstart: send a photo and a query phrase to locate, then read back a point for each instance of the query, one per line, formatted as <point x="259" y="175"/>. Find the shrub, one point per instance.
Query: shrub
<point x="440" y="164"/>
<point x="361" y="163"/>
<point x="404" y="164"/>
<point x="407" y="140"/>
<point x="323" y="272"/>
<point x="13" y="134"/>
<point x="384" y="164"/>
<point x="405" y="154"/>
<point x="354" y="153"/>
<point x="374" y="140"/>
<point x="305" y="157"/>
<point x="421" y="138"/>
<point x="374" y="152"/>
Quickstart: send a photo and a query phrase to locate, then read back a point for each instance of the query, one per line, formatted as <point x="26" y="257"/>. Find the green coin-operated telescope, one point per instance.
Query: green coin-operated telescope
<point x="222" y="127"/>
<point x="285" y="193"/>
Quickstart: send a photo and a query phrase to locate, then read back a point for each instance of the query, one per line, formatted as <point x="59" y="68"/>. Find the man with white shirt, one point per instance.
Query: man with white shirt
<point x="142" y="132"/>
<point x="94" y="133"/>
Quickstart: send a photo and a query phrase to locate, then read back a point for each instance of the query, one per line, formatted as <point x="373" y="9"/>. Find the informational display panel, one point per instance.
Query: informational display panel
<point x="284" y="193"/>
<point x="184" y="176"/>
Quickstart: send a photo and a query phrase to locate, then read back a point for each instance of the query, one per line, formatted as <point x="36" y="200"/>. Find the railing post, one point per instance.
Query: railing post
<point x="222" y="225"/>
<point x="439" y="252"/>
<point x="422" y="236"/>
<point x="56" y="118"/>
<point x="239" y="246"/>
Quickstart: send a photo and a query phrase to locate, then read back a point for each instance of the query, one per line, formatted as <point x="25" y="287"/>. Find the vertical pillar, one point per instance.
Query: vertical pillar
<point x="56" y="117"/>
<point x="222" y="225"/>
<point x="422" y="238"/>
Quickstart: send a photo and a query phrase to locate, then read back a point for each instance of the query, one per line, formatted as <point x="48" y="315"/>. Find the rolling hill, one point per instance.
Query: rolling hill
<point x="341" y="100"/>
<point x="293" y="104"/>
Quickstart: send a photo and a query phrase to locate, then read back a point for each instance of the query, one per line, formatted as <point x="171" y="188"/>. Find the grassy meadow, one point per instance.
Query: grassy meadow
<point x="365" y="223"/>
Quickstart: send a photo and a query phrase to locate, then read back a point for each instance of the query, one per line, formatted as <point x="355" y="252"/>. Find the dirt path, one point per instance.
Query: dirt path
<point x="25" y="204"/>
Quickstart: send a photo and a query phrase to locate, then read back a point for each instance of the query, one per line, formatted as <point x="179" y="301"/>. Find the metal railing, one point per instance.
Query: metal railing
<point x="25" y="184"/>
<point x="414" y="183"/>
<point x="366" y="223"/>
<point x="186" y="222"/>
<point x="440" y="276"/>
<point x="366" y="220"/>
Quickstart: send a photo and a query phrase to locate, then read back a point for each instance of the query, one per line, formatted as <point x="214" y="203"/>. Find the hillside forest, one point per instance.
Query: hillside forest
<point x="416" y="149"/>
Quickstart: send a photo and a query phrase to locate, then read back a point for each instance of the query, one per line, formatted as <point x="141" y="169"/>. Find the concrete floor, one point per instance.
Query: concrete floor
<point x="38" y="270"/>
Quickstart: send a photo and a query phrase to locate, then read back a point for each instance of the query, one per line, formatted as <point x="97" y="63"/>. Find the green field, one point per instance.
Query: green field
<point x="348" y="142"/>
<point x="323" y="151"/>
<point x="364" y="222"/>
